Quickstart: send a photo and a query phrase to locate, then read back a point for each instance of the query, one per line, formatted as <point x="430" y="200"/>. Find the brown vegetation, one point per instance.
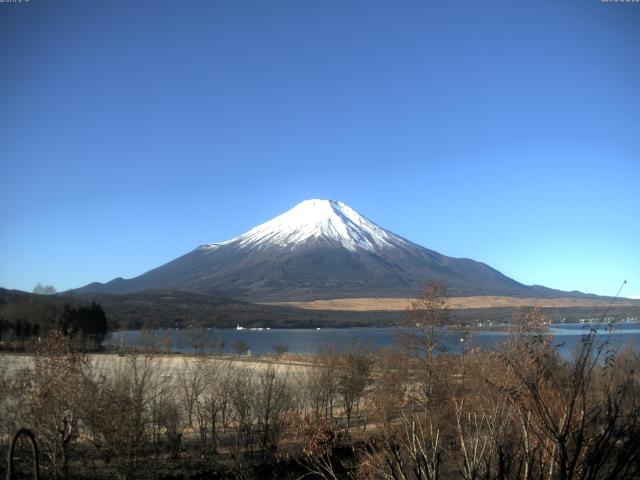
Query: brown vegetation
<point x="454" y="303"/>
<point x="407" y="413"/>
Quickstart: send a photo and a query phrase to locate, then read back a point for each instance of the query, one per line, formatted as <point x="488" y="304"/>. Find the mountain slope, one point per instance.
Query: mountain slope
<point x="319" y="249"/>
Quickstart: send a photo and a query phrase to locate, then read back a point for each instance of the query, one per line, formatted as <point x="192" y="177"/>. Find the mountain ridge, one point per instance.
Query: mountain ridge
<point x="320" y="249"/>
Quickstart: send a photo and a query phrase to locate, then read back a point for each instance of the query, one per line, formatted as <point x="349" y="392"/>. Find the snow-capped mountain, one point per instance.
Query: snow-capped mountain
<point x="319" y="249"/>
<point x="317" y="219"/>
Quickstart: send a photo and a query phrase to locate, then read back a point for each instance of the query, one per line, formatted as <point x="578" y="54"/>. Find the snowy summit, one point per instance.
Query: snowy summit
<point x="318" y="219"/>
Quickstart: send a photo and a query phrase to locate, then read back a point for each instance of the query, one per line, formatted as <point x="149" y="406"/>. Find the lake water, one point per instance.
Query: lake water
<point x="303" y="341"/>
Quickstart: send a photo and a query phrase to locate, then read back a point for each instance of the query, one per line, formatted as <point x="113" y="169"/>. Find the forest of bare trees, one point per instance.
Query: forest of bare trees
<point x="406" y="413"/>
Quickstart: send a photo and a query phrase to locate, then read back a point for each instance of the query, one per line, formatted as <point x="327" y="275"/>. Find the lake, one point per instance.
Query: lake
<point x="304" y="341"/>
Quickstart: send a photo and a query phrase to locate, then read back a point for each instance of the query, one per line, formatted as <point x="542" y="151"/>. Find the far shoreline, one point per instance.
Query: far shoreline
<point x="399" y="304"/>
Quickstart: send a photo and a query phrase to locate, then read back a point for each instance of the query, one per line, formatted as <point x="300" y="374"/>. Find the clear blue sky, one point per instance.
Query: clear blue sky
<point x="503" y="131"/>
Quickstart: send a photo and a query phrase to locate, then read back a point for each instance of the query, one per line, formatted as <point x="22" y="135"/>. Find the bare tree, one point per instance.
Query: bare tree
<point x="168" y="418"/>
<point x="165" y="414"/>
<point x="321" y="384"/>
<point x="213" y="405"/>
<point x="12" y="402"/>
<point x="121" y="417"/>
<point x="56" y="391"/>
<point x="427" y="313"/>
<point x="196" y="337"/>
<point x="280" y="349"/>
<point x="579" y="417"/>
<point x="389" y="385"/>
<point x="241" y="395"/>
<point x="191" y="382"/>
<point x="410" y="448"/>
<point x="354" y="376"/>
<point x="44" y="289"/>
<point x="272" y="402"/>
<point x="240" y="347"/>
<point x="317" y="443"/>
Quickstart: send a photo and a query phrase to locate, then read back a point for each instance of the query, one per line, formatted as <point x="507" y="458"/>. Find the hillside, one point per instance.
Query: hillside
<point x="176" y="309"/>
<point x="321" y="249"/>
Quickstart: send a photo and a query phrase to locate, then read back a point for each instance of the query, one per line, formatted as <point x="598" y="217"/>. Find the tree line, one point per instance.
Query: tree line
<point x="87" y="324"/>
<point x="410" y="412"/>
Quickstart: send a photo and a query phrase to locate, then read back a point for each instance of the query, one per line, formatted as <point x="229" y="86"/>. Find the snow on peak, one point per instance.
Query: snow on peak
<point x="327" y="219"/>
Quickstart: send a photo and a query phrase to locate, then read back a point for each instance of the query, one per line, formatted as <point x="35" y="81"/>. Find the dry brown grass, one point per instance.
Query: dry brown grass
<point x="455" y="303"/>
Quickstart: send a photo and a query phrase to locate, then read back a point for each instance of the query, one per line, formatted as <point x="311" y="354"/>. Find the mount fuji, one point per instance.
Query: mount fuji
<point x="319" y="249"/>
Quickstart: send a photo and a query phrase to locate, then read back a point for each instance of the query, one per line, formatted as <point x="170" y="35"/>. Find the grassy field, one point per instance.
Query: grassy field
<point x="455" y="303"/>
<point x="170" y="364"/>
